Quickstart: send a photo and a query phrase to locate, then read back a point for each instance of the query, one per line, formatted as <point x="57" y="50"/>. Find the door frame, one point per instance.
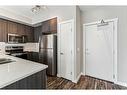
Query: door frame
<point x="58" y="52"/>
<point x="115" y="21"/>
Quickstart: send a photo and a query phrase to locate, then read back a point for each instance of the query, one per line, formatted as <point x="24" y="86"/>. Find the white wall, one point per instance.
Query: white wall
<point x="78" y="44"/>
<point x="110" y="13"/>
<point x="68" y="13"/>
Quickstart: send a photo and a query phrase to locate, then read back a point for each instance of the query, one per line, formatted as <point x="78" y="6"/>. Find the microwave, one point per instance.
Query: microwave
<point x="15" y="38"/>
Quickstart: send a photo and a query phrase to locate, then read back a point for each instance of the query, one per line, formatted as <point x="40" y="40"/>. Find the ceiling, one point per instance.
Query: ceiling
<point x="86" y="8"/>
<point x="90" y="8"/>
<point x="26" y="12"/>
<point x="21" y="10"/>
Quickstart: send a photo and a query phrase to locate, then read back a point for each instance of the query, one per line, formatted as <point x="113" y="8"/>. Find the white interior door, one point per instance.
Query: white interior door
<point x="99" y="51"/>
<point x="66" y="50"/>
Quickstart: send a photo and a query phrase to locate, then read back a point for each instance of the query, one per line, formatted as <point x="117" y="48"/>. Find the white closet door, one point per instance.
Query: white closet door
<point x="66" y="50"/>
<point x="99" y="51"/>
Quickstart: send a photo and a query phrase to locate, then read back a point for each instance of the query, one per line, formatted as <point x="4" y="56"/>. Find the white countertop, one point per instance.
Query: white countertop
<point x="14" y="71"/>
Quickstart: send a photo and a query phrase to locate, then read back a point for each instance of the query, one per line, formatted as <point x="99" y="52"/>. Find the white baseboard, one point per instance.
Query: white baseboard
<point x="117" y="82"/>
<point x="77" y="79"/>
<point x="58" y="75"/>
<point x="121" y="83"/>
<point x="83" y="74"/>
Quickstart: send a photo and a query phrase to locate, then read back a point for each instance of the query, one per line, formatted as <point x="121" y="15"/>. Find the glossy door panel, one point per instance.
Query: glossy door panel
<point x="66" y="46"/>
<point x="99" y="51"/>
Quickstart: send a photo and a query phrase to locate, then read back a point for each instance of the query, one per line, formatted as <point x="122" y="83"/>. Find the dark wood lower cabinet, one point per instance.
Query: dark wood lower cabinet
<point x="35" y="81"/>
<point x="33" y="56"/>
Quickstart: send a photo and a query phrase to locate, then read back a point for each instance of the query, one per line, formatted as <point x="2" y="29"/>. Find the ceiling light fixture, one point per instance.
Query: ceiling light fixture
<point x="38" y="8"/>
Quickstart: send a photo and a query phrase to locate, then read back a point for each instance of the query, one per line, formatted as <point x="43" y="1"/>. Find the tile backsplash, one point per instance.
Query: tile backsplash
<point x="2" y="47"/>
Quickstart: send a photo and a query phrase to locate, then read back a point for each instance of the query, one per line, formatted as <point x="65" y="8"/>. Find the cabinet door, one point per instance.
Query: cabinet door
<point x="37" y="33"/>
<point x="35" y="56"/>
<point x="31" y="35"/>
<point x="46" y="27"/>
<point x="29" y="56"/>
<point x="49" y="26"/>
<point x="21" y="29"/>
<point x="53" y="25"/>
<point x="12" y="27"/>
<point x="29" y="32"/>
<point x="3" y="30"/>
<point x="43" y="56"/>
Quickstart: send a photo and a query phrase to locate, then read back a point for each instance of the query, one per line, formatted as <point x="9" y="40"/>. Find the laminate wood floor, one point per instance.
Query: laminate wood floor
<point x="85" y="82"/>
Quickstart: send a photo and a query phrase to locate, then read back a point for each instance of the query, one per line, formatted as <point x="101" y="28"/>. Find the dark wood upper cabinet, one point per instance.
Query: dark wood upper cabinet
<point x="26" y="31"/>
<point x="37" y="33"/>
<point x="46" y="26"/>
<point x="49" y="26"/>
<point x="6" y="26"/>
<point x="29" y="31"/>
<point x="12" y="27"/>
<point x="3" y="30"/>
<point x="53" y="25"/>
<point x="21" y="29"/>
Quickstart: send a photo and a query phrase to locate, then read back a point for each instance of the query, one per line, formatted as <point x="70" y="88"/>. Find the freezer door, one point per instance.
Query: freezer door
<point x="47" y="41"/>
<point x="50" y="41"/>
<point x="43" y="42"/>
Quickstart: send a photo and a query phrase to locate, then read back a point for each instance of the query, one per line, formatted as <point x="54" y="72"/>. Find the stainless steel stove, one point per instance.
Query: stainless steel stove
<point x="16" y="51"/>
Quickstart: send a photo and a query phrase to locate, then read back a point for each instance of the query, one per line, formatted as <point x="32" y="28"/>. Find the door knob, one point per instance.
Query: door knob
<point x="61" y="53"/>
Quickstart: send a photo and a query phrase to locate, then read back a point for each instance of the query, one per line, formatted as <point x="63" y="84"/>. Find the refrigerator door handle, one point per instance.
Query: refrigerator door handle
<point x="39" y="43"/>
<point x="39" y="39"/>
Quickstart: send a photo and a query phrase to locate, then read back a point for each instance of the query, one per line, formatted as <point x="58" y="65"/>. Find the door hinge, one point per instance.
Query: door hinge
<point x="71" y="51"/>
<point x="113" y="76"/>
<point x="71" y="29"/>
<point x="113" y="27"/>
<point x="71" y="73"/>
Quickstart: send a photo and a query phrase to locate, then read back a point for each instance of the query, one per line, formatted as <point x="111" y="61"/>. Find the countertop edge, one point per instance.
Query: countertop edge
<point x="13" y="81"/>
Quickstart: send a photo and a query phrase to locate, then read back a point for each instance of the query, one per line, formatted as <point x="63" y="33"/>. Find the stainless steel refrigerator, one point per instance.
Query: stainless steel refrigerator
<point x="48" y="53"/>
